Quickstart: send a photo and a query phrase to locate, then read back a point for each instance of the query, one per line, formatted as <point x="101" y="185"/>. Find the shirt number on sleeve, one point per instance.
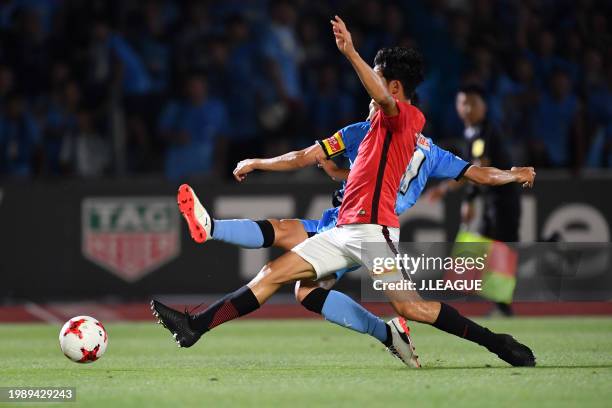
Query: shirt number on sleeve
<point x="412" y="170"/>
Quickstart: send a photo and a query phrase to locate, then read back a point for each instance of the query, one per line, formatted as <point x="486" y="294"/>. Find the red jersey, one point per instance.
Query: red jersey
<point x="382" y="158"/>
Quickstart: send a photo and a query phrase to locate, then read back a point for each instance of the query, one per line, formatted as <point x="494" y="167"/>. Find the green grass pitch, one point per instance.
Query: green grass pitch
<point x="311" y="363"/>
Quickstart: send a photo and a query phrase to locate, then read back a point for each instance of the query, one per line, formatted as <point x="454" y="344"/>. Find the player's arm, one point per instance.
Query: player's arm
<point x="449" y="166"/>
<point x="289" y="161"/>
<point x="487" y="176"/>
<point x="492" y="176"/>
<point x="373" y="83"/>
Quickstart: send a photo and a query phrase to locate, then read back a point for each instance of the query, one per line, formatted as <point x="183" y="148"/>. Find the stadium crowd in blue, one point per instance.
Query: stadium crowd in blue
<point x="96" y="88"/>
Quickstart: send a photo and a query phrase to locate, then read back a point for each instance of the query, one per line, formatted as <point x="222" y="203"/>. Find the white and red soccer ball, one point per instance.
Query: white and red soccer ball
<point x="83" y="339"/>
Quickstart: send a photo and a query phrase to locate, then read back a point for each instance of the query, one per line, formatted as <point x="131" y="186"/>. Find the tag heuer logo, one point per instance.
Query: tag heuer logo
<point x="130" y="236"/>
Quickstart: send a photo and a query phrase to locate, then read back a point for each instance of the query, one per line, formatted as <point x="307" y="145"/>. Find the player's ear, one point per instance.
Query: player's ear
<point x="395" y="87"/>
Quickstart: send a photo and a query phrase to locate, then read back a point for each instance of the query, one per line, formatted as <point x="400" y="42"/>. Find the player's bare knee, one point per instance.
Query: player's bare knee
<point x="302" y="289"/>
<point x="275" y="224"/>
<point x="283" y="234"/>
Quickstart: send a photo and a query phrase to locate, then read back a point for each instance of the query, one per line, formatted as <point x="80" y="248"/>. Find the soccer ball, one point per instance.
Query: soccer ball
<point x="83" y="339"/>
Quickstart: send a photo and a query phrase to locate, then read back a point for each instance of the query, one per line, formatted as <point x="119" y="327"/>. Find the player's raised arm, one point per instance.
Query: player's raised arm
<point x="372" y="82"/>
<point x="286" y="162"/>
<point x="493" y="176"/>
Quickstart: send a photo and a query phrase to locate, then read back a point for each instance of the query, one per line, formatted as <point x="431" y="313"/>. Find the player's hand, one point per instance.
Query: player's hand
<point x="526" y="175"/>
<point x="344" y="41"/>
<point x="328" y="166"/>
<point x="243" y="168"/>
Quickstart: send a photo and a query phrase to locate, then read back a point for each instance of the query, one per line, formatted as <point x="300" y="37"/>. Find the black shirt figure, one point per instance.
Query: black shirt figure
<point x="502" y="208"/>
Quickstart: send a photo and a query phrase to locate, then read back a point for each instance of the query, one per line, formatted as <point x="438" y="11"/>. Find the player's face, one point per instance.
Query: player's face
<point x="393" y="87"/>
<point x="470" y="108"/>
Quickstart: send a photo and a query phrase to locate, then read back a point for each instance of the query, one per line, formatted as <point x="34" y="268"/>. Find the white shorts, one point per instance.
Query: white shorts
<point x="341" y="247"/>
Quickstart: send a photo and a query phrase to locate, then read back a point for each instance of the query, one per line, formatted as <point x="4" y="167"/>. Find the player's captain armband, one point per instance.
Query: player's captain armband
<point x="332" y="146"/>
<point x="422" y="142"/>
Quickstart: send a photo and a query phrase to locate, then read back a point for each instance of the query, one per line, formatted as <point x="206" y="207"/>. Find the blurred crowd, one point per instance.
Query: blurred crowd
<point x="109" y="88"/>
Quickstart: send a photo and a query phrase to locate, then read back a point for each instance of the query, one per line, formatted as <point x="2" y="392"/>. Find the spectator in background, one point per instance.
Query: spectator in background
<point x="555" y="125"/>
<point x="486" y="73"/>
<point x="192" y="128"/>
<point x="283" y="54"/>
<point x="242" y="91"/>
<point x="195" y="27"/>
<point x="217" y="66"/>
<point x="138" y="92"/>
<point x="19" y="138"/>
<point x="518" y="94"/>
<point x="60" y="121"/>
<point x="150" y="40"/>
<point x="135" y="78"/>
<point x="154" y="47"/>
<point x="29" y="49"/>
<point x="85" y="152"/>
<point x="100" y="70"/>
<point x="544" y="60"/>
<point x="313" y="46"/>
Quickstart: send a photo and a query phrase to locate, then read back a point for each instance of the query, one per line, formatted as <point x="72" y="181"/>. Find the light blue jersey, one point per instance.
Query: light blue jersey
<point x="428" y="160"/>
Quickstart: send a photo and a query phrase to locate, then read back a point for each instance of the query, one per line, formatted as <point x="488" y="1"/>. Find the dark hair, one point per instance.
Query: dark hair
<point x="473" y="89"/>
<point x="401" y="64"/>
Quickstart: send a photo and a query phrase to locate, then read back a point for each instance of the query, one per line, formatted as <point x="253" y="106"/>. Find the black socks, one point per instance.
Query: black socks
<point x="230" y="307"/>
<point x="389" y="341"/>
<point x="267" y="232"/>
<point x="451" y="321"/>
<point x="315" y="300"/>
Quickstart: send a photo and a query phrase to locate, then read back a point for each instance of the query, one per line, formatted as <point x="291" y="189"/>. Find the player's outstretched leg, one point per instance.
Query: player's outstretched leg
<point x="445" y="317"/>
<point x="187" y="329"/>
<point x="503" y="345"/>
<point x="245" y="233"/>
<point x="340" y="309"/>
